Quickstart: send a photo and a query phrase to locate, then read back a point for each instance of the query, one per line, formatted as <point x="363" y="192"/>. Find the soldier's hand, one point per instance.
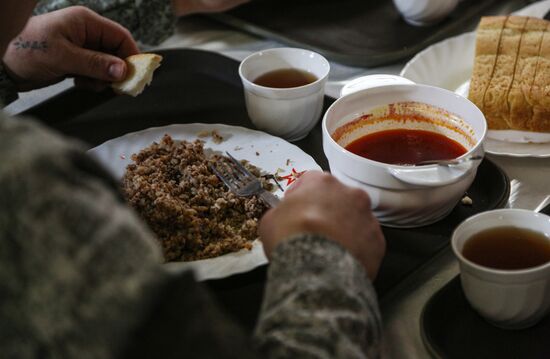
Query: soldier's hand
<point x="318" y="203"/>
<point x="72" y="42"/>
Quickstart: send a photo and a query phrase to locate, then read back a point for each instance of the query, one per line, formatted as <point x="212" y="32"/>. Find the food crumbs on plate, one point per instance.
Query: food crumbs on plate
<point x="268" y="177"/>
<point x="123" y="157"/>
<point x="466" y="200"/>
<point x="237" y="148"/>
<point x="278" y="171"/>
<point x="257" y="153"/>
<point x="289" y="162"/>
<point x="216" y="137"/>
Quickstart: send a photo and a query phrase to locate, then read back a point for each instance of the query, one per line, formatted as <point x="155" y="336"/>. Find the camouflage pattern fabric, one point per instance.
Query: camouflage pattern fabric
<point x="149" y="21"/>
<point x="79" y="272"/>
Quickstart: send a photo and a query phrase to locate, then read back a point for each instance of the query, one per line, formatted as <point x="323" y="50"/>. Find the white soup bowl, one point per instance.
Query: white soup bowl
<point x="405" y="196"/>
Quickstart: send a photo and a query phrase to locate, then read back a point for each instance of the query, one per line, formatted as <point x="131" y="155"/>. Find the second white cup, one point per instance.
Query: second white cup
<point x="289" y="112"/>
<point x="512" y="299"/>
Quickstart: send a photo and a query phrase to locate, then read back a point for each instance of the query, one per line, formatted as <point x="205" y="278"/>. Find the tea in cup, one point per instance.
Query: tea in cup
<point x="284" y="90"/>
<point x="504" y="258"/>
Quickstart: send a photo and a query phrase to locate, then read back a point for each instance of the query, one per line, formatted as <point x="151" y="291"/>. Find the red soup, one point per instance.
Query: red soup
<point x="406" y="147"/>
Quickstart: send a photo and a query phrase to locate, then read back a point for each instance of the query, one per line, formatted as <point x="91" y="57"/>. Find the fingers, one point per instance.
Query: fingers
<point x="91" y="55"/>
<point x="304" y="178"/>
<point x="96" y="47"/>
<point x="95" y="65"/>
<point x="106" y="35"/>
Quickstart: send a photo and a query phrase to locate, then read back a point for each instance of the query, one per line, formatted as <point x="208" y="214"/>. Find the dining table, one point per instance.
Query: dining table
<point x="401" y="306"/>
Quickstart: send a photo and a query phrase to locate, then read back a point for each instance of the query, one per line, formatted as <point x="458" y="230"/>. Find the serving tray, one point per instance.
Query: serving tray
<point x="198" y="86"/>
<point x="452" y="329"/>
<point x="353" y="32"/>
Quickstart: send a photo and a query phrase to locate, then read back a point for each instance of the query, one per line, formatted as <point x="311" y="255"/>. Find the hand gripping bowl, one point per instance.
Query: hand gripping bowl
<point x="404" y="196"/>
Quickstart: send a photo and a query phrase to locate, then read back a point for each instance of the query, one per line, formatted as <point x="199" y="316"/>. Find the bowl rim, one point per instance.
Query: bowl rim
<point x="388" y="88"/>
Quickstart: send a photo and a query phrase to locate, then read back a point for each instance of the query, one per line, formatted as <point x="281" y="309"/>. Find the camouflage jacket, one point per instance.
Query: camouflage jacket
<point x="81" y="276"/>
<point x="150" y="22"/>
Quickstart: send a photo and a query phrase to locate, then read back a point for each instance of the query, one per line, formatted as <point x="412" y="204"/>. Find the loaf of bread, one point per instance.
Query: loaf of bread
<point x="511" y="77"/>
<point x="139" y="74"/>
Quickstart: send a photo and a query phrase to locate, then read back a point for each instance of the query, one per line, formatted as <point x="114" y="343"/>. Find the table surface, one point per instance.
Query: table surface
<point x="402" y="306"/>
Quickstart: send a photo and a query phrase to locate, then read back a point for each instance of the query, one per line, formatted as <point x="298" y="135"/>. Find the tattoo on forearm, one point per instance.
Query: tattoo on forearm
<point x="21" y="44"/>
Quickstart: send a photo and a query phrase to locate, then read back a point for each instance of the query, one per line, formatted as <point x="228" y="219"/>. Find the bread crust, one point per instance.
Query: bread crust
<point x="539" y="94"/>
<point x="495" y="101"/>
<point x="521" y="112"/>
<point x="487" y="45"/>
<point x="511" y="77"/>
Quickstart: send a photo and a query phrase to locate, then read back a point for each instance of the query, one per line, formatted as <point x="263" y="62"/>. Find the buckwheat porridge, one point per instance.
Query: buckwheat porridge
<point x="192" y="213"/>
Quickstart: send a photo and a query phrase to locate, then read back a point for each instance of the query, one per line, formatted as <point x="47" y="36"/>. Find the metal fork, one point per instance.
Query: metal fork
<point x="240" y="181"/>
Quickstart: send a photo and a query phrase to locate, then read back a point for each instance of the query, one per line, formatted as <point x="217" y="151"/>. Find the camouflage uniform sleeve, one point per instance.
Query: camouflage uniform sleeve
<point x="150" y="21"/>
<point x="77" y="268"/>
<point x="8" y="91"/>
<point x="318" y="303"/>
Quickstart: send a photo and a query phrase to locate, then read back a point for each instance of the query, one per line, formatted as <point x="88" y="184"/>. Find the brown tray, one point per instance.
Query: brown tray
<point x="199" y="86"/>
<point x="353" y="32"/>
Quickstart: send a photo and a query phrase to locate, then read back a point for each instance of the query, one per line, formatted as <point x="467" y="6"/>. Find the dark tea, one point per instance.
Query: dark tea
<point x="285" y="78"/>
<point x="508" y="248"/>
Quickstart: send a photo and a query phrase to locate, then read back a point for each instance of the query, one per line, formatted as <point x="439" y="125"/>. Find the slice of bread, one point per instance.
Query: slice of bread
<point x="495" y="100"/>
<point x="521" y="112"/>
<point x="511" y="77"/>
<point x="140" y="74"/>
<point x="487" y="45"/>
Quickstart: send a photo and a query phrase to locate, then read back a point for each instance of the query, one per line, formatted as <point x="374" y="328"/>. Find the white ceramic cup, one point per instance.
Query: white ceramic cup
<point x="511" y="299"/>
<point x="292" y="112"/>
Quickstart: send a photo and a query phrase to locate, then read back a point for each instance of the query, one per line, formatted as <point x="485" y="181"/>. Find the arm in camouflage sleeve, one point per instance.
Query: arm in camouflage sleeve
<point x="79" y="272"/>
<point x="8" y="91"/>
<point x="150" y="21"/>
<point x="77" y="268"/>
<point x="319" y="303"/>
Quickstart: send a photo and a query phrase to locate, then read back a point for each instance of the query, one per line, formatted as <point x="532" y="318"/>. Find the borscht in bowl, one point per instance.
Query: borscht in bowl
<point x="406" y="133"/>
<point x="378" y="138"/>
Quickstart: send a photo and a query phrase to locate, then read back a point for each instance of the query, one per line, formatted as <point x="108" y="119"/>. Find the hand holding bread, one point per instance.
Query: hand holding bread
<point x="73" y="42"/>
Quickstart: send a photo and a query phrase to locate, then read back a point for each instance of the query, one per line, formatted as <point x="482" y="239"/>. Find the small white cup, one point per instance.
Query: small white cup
<point x="510" y="299"/>
<point x="292" y="112"/>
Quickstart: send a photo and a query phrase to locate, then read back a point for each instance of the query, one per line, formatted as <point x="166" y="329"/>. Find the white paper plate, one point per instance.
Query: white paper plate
<point x="449" y="63"/>
<point x="263" y="150"/>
